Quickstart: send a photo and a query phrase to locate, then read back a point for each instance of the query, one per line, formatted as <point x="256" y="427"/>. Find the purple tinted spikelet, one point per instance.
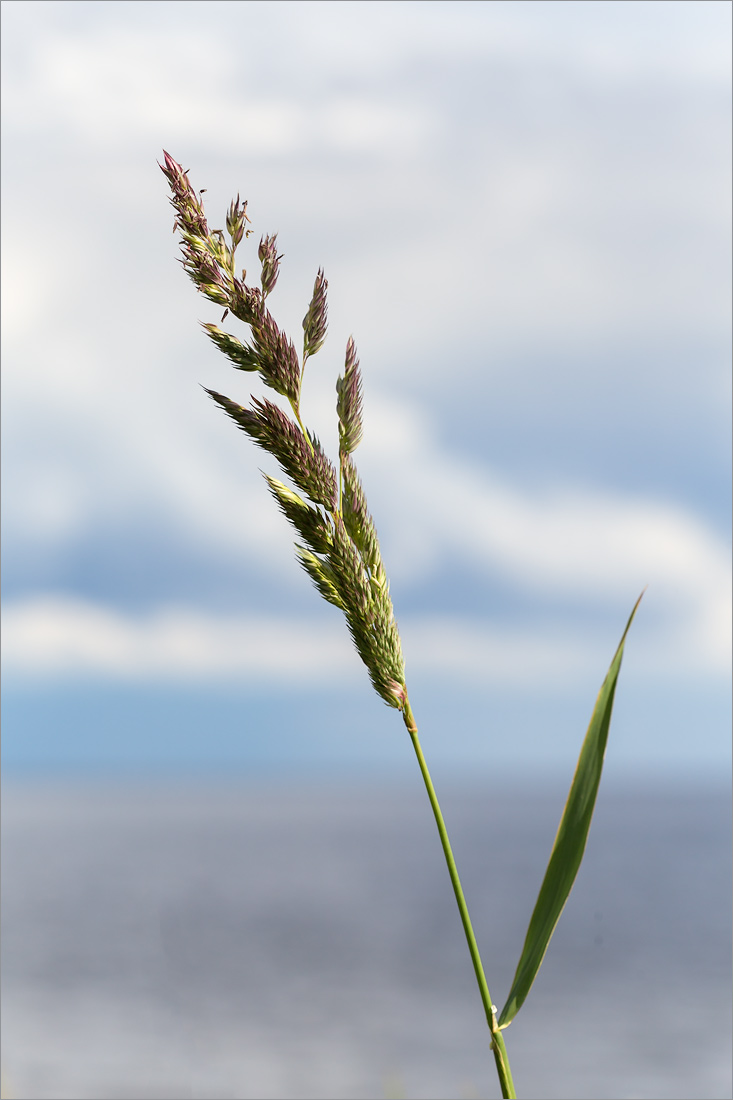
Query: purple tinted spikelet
<point x="348" y="403"/>
<point x="247" y="302"/>
<point x="315" y="321"/>
<point x="302" y="460"/>
<point x="237" y="222"/>
<point x="184" y="200"/>
<point x="279" y="363"/>
<point x="270" y="263"/>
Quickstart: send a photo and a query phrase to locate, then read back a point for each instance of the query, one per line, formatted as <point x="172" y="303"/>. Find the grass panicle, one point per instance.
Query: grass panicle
<point x="339" y="549"/>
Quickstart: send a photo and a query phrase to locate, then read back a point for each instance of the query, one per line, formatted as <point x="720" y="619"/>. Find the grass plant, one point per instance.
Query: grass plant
<point x="339" y="550"/>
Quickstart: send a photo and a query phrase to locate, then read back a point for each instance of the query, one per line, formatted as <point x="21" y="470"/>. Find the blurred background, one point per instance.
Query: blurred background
<point x="523" y="211"/>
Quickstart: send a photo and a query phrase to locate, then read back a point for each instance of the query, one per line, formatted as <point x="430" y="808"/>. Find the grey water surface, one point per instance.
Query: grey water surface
<point x="288" y="941"/>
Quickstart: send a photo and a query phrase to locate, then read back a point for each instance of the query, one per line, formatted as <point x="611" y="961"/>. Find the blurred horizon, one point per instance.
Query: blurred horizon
<point x="523" y="212"/>
<point x="217" y="941"/>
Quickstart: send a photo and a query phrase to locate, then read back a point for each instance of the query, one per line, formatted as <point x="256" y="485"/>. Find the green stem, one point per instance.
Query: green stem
<point x="497" y="1039"/>
<point x="301" y="425"/>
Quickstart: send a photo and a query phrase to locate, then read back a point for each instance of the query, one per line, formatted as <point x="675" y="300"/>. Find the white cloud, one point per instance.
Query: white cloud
<point x="199" y="478"/>
<point x="114" y="86"/>
<point x="596" y="545"/>
<point x="58" y="635"/>
<point x="481" y="219"/>
<point x="55" y="636"/>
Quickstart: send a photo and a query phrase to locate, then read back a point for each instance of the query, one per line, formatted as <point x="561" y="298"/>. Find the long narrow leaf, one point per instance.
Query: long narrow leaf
<point x="572" y="834"/>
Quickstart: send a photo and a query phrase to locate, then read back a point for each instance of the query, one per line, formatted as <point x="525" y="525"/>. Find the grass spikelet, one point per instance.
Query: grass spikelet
<point x="321" y="574"/>
<point x="348" y="403"/>
<point x="239" y="355"/>
<point x="301" y="458"/>
<point x="307" y="521"/>
<point x="270" y="261"/>
<point x="315" y="321"/>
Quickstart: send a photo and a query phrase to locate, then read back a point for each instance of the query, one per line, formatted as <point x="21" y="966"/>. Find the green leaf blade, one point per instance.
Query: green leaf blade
<point x="570" y="841"/>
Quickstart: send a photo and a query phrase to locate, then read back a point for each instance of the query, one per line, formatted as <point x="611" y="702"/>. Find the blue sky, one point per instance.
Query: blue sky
<point x="523" y="211"/>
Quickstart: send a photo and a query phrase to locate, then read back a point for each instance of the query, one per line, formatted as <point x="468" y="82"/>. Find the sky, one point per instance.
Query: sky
<point x="523" y="212"/>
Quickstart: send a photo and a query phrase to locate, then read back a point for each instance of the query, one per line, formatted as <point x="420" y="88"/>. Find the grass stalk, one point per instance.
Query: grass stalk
<point x="497" y="1039"/>
<point x="339" y="550"/>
